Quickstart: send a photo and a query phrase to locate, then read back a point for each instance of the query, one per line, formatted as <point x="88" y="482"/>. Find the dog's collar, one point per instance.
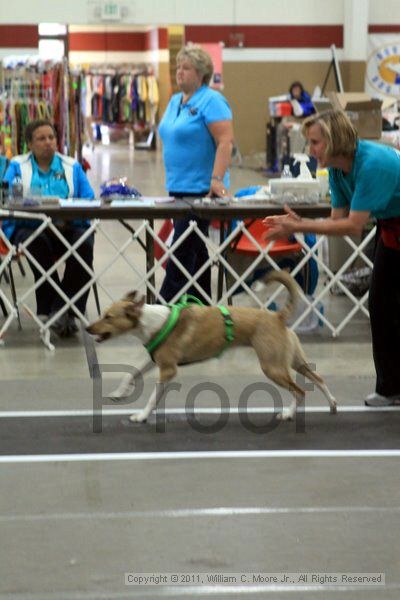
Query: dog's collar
<point x="176" y="309"/>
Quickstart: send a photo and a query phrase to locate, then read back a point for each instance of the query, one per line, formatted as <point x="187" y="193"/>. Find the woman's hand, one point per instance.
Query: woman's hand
<point x="217" y="188"/>
<point x="281" y="226"/>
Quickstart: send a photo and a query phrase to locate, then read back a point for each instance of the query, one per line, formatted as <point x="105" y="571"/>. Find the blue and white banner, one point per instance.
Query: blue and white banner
<point x="382" y="77"/>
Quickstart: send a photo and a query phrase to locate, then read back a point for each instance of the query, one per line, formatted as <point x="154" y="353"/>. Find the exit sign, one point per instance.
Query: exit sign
<point x="111" y="11"/>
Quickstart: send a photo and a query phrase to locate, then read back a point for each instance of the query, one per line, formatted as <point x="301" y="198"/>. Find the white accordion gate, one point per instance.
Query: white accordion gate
<point x="143" y="276"/>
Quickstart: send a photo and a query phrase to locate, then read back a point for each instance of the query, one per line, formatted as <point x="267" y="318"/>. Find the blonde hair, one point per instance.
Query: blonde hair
<point x="200" y="60"/>
<point x="338" y="131"/>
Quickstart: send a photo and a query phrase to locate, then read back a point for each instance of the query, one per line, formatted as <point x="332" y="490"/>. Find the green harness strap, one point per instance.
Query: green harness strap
<point x="186" y="301"/>
<point x="229" y="336"/>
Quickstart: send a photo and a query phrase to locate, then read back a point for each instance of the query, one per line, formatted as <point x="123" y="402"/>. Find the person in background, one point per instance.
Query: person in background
<point x="46" y="172"/>
<point x="364" y="179"/>
<point x="197" y="135"/>
<point x="301" y="100"/>
<point x="288" y="136"/>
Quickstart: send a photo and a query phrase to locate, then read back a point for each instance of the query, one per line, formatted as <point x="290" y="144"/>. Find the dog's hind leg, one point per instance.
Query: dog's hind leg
<point x="288" y="414"/>
<point x="166" y="374"/>
<point x="128" y="382"/>
<point x="299" y="364"/>
<point x="305" y="370"/>
<point x="283" y="379"/>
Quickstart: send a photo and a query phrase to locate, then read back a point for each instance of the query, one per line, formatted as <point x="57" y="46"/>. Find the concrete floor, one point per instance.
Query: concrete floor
<point x="79" y="509"/>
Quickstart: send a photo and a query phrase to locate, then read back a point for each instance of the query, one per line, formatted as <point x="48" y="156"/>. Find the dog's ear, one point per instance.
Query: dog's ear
<point x="139" y="303"/>
<point x="132" y="296"/>
<point x="134" y="309"/>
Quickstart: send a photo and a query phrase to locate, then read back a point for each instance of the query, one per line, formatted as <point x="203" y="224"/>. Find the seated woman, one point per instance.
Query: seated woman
<point x="50" y="173"/>
<point x="289" y="139"/>
<point x="301" y="100"/>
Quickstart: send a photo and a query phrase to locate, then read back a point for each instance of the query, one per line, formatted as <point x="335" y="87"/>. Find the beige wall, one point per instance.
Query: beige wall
<point x="249" y="85"/>
<point x="164" y="87"/>
<point x="161" y="12"/>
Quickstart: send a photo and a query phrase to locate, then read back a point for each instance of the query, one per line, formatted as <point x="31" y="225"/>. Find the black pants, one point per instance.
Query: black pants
<point x="384" y="308"/>
<point x="47" y="249"/>
<point x="192" y="253"/>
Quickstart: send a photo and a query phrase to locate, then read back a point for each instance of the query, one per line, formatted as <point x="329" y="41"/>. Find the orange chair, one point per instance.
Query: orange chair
<point x="243" y="245"/>
<point x="280" y="249"/>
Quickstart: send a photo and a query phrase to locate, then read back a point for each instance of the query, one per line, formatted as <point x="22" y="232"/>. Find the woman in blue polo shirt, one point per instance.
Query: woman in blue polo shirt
<point x="197" y="135"/>
<point x="45" y="172"/>
<point x="365" y="181"/>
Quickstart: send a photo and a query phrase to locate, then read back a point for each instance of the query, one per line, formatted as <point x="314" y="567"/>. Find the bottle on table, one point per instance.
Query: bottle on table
<point x="286" y="172"/>
<point x="5" y="193"/>
<point x="17" y="189"/>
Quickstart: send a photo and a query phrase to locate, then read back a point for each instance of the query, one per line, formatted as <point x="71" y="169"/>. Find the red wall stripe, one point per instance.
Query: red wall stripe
<point x="128" y="41"/>
<point x="384" y="29"/>
<point x="163" y="38"/>
<point x="19" y="36"/>
<point x="268" y="36"/>
<point x="157" y="39"/>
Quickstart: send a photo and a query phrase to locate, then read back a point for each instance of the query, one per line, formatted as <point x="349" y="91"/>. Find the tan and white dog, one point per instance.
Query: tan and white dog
<point x="199" y="334"/>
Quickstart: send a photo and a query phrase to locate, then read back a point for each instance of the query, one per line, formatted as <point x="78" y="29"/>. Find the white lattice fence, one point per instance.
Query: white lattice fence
<point x="143" y="275"/>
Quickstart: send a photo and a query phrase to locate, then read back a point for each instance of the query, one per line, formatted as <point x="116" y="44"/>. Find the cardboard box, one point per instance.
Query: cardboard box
<point x="321" y="104"/>
<point x="363" y="111"/>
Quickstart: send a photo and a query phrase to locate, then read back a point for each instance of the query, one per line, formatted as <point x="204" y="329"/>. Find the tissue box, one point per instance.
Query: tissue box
<point x="278" y="186"/>
<point x="363" y="111"/>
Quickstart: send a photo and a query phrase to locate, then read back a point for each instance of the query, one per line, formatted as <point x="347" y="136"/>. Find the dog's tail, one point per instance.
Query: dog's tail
<point x="287" y="280"/>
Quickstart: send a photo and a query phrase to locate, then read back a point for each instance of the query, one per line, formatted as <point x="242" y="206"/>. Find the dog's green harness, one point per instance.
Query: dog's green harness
<point x="185" y="302"/>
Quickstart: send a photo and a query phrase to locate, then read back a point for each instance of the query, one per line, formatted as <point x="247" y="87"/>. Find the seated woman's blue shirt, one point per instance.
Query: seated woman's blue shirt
<point x="52" y="182"/>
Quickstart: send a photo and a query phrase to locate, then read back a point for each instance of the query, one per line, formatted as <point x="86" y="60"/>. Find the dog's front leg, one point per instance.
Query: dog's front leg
<point x="167" y="372"/>
<point x="154" y="399"/>
<point x="128" y="382"/>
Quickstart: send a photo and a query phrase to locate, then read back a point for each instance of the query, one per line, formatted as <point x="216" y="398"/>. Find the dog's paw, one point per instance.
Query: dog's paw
<point x="333" y="407"/>
<point x="120" y="394"/>
<point x="138" y="418"/>
<point x="285" y="415"/>
<point x="116" y="397"/>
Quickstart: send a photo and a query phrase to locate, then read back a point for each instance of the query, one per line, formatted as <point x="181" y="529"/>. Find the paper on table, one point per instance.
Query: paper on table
<point x="133" y="202"/>
<point x="164" y="199"/>
<point x="79" y="203"/>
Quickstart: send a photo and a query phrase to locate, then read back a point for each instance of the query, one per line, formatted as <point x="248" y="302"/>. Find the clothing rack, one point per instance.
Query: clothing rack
<point x="25" y="94"/>
<point x="39" y="91"/>
<point x="120" y="94"/>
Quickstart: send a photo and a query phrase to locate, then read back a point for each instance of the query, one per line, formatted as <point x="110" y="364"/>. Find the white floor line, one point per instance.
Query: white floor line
<point x="228" y="454"/>
<point x="230" y="590"/>
<point x="6" y="414"/>
<point x="185" y="513"/>
<point x="205" y="590"/>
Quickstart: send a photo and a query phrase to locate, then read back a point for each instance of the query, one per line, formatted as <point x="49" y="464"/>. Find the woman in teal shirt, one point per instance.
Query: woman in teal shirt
<point x="45" y="171"/>
<point x="196" y="131"/>
<point x="365" y="181"/>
